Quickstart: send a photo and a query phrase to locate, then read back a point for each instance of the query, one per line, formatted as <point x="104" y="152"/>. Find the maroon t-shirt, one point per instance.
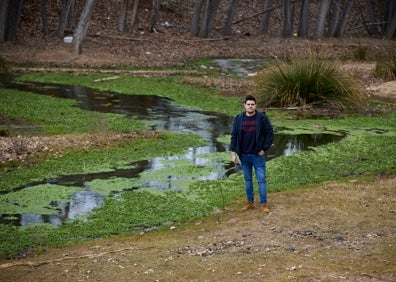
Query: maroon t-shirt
<point x="248" y="134"/>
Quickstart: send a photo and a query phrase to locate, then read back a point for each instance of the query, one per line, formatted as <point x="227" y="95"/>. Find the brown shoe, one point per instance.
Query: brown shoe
<point x="265" y="208"/>
<point x="248" y="206"/>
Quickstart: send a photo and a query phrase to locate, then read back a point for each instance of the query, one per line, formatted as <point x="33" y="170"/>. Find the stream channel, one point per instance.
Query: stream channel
<point x="163" y="115"/>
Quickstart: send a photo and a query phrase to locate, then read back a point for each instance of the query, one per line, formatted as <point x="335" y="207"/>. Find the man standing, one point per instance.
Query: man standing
<point x="251" y="136"/>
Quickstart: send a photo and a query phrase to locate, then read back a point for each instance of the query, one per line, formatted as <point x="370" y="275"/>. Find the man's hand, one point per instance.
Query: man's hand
<point x="234" y="157"/>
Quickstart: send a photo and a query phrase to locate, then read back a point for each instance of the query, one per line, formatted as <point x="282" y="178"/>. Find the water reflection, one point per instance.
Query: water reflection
<point x="82" y="203"/>
<point x="164" y="116"/>
<point x="238" y="67"/>
<point x="161" y="112"/>
<point x="289" y="144"/>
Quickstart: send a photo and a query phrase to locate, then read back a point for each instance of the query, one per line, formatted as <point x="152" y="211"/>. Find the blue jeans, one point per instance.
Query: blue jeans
<point x="248" y="161"/>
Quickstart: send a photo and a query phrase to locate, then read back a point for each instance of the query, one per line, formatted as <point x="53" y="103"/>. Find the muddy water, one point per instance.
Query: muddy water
<point x="163" y="115"/>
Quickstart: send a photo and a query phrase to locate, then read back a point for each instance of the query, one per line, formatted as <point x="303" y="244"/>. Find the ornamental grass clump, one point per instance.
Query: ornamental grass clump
<point x="4" y="66"/>
<point x="307" y="82"/>
<point x="386" y="69"/>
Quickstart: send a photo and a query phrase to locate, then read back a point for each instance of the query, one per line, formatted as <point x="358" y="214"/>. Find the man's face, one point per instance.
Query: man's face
<point x="250" y="107"/>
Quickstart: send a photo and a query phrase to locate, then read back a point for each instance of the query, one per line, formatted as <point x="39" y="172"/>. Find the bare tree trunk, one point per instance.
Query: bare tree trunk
<point x="62" y="19"/>
<point x="44" y="18"/>
<point x="323" y="11"/>
<point x="122" y="15"/>
<point x="134" y="13"/>
<point x="204" y="17"/>
<point x="287" y="19"/>
<point x="155" y="13"/>
<point x="82" y="26"/>
<point x="304" y="18"/>
<point x="70" y="15"/>
<point x="3" y="19"/>
<point x="390" y="12"/>
<point x="230" y="18"/>
<point x="293" y="4"/>
<point x="64" y="16"/>
<point x="203" y="23"/>
<point x="333" y="17"/>
<point x="12" y="11"/>
<point x="213" y="7"/>
<point x="196" y="17"/>
<point x="344" y="19"/>
<point x="371" y="26"/>
<point x="391" y="31"/>
<point x="14" y="18"/>
<point x="264" y="25"/>
<point x="385" y="15"/>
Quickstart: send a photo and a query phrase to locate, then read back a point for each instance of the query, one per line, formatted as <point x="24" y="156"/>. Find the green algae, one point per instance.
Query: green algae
<point x="41" y="199"/>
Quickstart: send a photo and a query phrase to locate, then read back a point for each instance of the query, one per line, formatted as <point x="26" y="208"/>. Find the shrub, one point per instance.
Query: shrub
<point x="361" y="53"/>
<point x="4" y="67"/>
<point x="386" y="69"/>
<point x="302" y="82"/>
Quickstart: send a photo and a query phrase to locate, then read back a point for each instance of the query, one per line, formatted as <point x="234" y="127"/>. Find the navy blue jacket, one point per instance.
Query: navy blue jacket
<point x="264" y="133"/>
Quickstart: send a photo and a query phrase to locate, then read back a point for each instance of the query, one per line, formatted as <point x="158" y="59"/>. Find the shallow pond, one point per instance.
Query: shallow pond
<point x="158" y="173"/>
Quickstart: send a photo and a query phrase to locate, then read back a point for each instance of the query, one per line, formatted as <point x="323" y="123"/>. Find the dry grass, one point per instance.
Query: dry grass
<point x="337" y="231"/>
<point x="21" y="148"/>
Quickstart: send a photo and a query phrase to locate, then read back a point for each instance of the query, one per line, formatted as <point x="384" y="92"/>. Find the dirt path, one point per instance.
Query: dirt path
<point x="334" y="232"/>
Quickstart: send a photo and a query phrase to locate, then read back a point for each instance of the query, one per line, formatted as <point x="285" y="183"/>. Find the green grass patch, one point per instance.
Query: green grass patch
<point x="350" y="158"/>
<point x="107" y="186"/>
<point x="355" y="124"/>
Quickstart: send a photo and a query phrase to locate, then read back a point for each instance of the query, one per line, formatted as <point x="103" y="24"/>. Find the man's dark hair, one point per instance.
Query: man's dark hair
<point x="250" y="98"/>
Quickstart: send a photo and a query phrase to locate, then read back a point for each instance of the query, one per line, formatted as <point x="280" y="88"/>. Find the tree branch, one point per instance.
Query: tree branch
<point x="44" y="262"/>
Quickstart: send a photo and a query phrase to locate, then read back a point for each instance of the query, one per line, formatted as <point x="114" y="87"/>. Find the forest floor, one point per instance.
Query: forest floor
<point x="330" y="232"/>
